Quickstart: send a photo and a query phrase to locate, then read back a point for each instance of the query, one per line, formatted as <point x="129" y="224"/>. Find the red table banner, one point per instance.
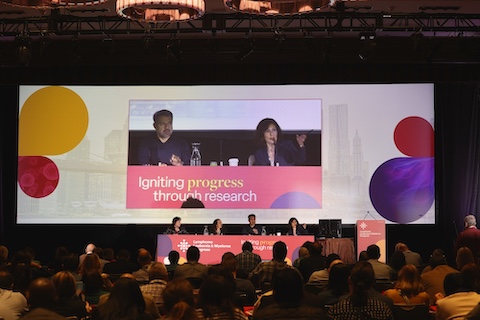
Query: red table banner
<point x="213" y="247"/>
<point x="243" y="187"/>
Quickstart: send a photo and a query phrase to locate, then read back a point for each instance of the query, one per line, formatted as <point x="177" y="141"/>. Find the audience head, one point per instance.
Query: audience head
<point x="216" y="294"/>
<point x="173" y="257"/>
<point x="470" y="221"/>
<point x="373" y="251"/>
<point x="193" y="254"/>
<point x="178" y="298"/>
<point x="409" y="281"/>
<point x="363" y="256"/>
<point x="464" y="256"/>
<point x="307" y="244"/>
<point x="41" y="294"/>
<point x="303" y="252"/>
<point x="144" y="257"/>
<point x="362" y="279"/>
<point x="247" y="246"/>
<point x="92" y="282"/>
<point x="316" y="249"/>
<point x="65" y="284"/>
<point x="330" y="258"/>
<point x="70" y="262"/>
<point x="157" y="270"/>
<point x="89" y="248"/>
<point x="437" y="258"/>
<point x="108" y="254"/>
<point x="230" y="263"/>
<point x="91" y="263"/>
<point x="99" y="251"/>
<point x="124" y="302"/>
<point x="6" y="280"/>
<point x="400" y="246"/>
<point x="287" y="286"/>
<point x="61" y="252"/>
<point x="123" y="255"/>
<point x="279" y="251"/>
<point x="452" y="283"/>
<point x="338" y="278"/>
<point x="397" y="260"/>
<point x="192" y="203"/>
<point x="471" y="277"/>
<point x="3" y="254"/>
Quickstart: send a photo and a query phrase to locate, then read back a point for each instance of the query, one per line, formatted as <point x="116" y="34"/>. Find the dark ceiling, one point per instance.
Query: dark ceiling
<point x="380" y="32"/>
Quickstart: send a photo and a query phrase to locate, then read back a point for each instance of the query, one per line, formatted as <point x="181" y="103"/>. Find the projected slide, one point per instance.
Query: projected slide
<point x="345" y="152"/>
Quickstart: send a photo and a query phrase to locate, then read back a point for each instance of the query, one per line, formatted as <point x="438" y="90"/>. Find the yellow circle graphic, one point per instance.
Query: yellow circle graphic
<point x="53" y="121"/>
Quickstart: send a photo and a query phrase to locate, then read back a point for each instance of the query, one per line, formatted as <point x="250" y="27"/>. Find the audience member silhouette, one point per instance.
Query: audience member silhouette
<point x="433" y="280"/>
<point x="41" y="300"/>
<point x="464" y="256"/>
<point x="382" y="270"/>
<point x="408" y="288"/>
<point x="363" y="302"/>
<point x="150" y="306"/>
<point x="67" y="302"/>
<point x="144" y="259"/>
<point x="323" y="274"/>
<point x="125" y="302"/>
<point x="216" y="300"/>
<point x="158" y="277"/>
<point x="337" y="284"/>
<point x="121" y="265"/>
<point x="410" y="256"/>
<point x="192" y="268"/>
<point x="261" y="276"/>
<point x="173" y="258"/>
<point x="289" y="300"/>
<point x="247" y="259"/>
<point x="461" y="294"/>
<point x="315" y="262"/>
<point x="12" y="304"/>
<point x="179" y="301"/>
<point x="396" y="262"/>
<point x="243" y="288"/>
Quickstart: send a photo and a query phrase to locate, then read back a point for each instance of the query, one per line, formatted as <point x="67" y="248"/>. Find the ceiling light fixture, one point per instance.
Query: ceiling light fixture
<point x="51" y="4"/>
<point x="277" y="7"/>
<point x="161" y="10"/>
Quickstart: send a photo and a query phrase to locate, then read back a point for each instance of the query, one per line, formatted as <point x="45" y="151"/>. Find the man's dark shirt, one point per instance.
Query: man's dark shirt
<point x="152" y="151"/>
<point x="249" y="230"/>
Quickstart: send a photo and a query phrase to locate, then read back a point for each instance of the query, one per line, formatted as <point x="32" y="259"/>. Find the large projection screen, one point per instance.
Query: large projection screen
<point x="369" y="154"/>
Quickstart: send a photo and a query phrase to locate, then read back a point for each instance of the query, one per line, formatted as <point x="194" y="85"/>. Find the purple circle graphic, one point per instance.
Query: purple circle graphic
<point x="164" y="247"/>
<point x="297" y="200"/>
<point x="402" y="189"/>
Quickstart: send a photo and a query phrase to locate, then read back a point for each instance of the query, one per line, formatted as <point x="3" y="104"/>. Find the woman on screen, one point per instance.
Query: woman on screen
<point x="176" y="227"/>
<point x="273" y="151"/>
<point x="295" y="228"/>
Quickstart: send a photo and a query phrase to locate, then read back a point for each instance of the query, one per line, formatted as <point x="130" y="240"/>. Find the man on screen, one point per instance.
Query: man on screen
<point x="162" y="149"/>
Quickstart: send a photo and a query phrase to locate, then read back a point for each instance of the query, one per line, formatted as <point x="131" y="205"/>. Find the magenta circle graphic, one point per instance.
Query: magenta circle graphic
<point x="37" y="176"/>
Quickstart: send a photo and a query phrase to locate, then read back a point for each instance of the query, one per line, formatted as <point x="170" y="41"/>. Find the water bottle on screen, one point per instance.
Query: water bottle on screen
<point x="264" y="231"/>
<point x="196" y="158"/>
<point x="205" y="230"/>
